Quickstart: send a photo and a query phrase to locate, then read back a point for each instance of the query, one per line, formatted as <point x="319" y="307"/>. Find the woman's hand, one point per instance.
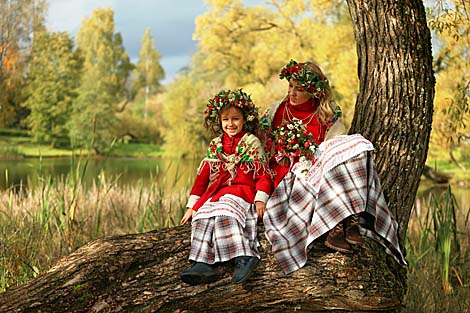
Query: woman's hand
<point x="260" y="208"/>
<point x="284" y="162"/>
<point x="187" y="216"/>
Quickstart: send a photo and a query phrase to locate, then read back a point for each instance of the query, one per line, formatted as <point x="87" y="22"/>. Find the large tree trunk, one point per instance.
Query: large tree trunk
<point x="140" y="273"/>
<point x="395" y="103"/>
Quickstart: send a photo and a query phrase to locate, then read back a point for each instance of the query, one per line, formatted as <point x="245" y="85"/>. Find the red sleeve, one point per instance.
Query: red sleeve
<point x="202" y="180"/>
<point x="264" y="182"/>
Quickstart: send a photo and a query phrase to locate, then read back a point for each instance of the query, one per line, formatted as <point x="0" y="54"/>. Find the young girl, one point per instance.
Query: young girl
<point x="224" y="215"/>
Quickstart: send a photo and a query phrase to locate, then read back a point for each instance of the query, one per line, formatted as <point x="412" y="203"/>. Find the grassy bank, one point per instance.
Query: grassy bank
<point x="39" y="226"/>
<point x="17" y="144"/>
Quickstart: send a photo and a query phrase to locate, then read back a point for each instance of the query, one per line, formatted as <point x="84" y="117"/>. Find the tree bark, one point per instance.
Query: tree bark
<point x="140" y="273"/>
<point x="395" y="103"/>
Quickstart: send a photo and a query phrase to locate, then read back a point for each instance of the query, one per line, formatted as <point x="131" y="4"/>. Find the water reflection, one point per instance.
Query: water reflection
<point x="427" y="190"/>
<point x="430" y="196"/>
<point x="124" y="171"/>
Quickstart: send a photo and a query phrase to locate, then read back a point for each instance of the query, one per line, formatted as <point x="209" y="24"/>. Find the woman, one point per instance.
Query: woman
<point x="325" y="181"/>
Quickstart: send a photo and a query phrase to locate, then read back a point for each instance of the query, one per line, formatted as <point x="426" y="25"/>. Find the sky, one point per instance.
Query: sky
<point x="171" y="23"/>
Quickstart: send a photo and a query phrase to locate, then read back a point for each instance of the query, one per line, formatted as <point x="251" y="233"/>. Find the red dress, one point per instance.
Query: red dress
<point x="244" y="185"/>
<point x="307" y="113"/>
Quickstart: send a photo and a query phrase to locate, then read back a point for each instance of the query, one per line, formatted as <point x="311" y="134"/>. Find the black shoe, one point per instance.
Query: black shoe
<point x="199" y="273"/>
<point x="244" y="266"/>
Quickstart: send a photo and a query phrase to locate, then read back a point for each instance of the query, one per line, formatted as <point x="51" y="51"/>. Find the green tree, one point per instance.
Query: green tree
<point x="53" y="78"/>
<point x="101" y="93"/>
<point x="183" y="106"/>
<point x="19" y="20"/>
<point x="450" y="21"/>
<point x="148" y="69"/>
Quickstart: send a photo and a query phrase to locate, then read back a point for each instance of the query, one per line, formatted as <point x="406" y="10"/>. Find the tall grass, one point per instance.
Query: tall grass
<point x="39" y="225"/>
<point x="438" y="250"/>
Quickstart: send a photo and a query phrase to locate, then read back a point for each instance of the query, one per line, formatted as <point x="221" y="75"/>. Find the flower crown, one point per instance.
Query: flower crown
<point x="308" y="81"/>
<point x="236" y="98"/>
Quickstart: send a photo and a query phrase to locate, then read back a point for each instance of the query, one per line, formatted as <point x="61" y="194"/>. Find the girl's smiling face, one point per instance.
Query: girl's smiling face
<point x="232" y="120"/>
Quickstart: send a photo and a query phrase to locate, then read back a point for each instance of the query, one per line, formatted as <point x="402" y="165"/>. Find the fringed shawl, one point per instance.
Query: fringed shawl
<point x="248" y="152"/>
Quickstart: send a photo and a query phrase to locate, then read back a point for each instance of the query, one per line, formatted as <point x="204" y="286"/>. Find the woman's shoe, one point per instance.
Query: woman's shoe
<point x="336" y="241"/>
<point x="199" y="273"/>
<point x="353" y="236"/>
<point x="244" y="267"/>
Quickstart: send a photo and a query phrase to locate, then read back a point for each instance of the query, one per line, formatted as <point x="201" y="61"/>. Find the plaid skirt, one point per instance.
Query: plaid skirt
<point x="223" y="230"/>
<point x="307" y="204"/>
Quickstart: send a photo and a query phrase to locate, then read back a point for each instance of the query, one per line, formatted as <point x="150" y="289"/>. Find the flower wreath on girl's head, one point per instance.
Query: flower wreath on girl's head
<point x="236" y="98"/>
<point x="308" y="80"/>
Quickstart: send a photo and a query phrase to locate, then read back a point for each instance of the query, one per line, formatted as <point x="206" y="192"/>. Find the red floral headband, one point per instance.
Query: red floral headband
<point x="308" y="80"/>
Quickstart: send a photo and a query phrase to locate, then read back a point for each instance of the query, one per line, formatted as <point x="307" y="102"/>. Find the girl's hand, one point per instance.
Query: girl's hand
<point x="260" y="208"/>
<point x="187" y="216"/>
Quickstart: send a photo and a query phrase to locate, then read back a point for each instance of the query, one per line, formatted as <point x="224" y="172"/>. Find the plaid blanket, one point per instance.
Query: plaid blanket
<point x="303" y="207"/>
<point x="223" y="230"/>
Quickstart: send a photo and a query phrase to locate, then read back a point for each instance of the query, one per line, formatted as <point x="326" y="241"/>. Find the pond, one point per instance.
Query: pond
<point x="124" y="171"/>
<point x="127" y="171"/>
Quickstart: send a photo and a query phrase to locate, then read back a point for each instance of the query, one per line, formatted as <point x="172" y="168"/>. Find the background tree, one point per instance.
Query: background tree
<point x="53" y="78"/>
<point x="134" y="128"/>
<point x="450" y="21"/>
<point x="10" y="80"/>
<point x="19" y="19"/>
<point x="101" y="92"/>
<point x="148" y="69"/>
<point x="184" y="103"/>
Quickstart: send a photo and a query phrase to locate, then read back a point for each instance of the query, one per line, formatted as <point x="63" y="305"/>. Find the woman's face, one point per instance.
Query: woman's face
<point x="296" y="96"/>
<point x="232" y="121"/>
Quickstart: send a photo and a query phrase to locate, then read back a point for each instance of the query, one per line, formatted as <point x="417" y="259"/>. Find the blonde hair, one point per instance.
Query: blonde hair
<point x="325" y="103"/>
